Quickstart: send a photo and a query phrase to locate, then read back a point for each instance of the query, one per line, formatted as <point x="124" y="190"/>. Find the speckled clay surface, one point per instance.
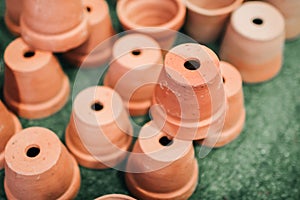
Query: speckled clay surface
<point x="38" y="166"/>
<point x="190" y="99"/>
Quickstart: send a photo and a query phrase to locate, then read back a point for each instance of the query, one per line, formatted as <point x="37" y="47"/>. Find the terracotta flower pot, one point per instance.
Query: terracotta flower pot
<point x="159" y="19"/>
<point x="189" y="95"/>
<point x="206" y="19"/>
<point x="34" y="84"/>
<point x="134" y="71"/>
<point x="115" y="197"/>
<point x="101" y="29"/>
<point x="10" y="125"/>
<point x="61" y="25"/>
<point x="235" y="115"/>
<point x="38" y="166"/>
<point x="12" y="15"/>
<point x="291" y="13"/>
<point x="161" y="168"/>
<point x="259" y="29"/>
<point x="97" y="113"/>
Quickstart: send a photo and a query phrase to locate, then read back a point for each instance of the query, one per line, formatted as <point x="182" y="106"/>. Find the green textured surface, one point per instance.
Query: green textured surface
<point x="263" y="163"/>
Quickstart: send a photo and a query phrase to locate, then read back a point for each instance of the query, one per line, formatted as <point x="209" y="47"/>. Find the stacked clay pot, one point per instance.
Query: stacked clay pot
<point x="38" y="166"/>
<point x="190" y="95"/>
<point x="10" y="125"/>
<point x="99" y="132"/>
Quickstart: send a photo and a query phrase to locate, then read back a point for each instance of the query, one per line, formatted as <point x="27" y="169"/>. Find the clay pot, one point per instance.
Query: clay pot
<point x="10" y="125"/>
<point x="61" y="25"/>
<point x="235" y="115"/>
<point x="291" y="13"/>
<point x="115" y="197"/>
<point x="38" y="166"/>
<point x="190" y="95"/>
<point x="160" y="167"/>
<point x="34" y="84"/>
<point x="134" y="70"/>
<point x="206" y="19"/>
<point x="259" y="29"/>
<point x="12" y="15"/>
<point x="159" y="19"/>
<point x="97" y="113"/>
<point x="101" y="29"/>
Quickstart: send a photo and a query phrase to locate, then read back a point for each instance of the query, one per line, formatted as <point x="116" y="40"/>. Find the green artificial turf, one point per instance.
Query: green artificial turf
<point x="263" y="163"/>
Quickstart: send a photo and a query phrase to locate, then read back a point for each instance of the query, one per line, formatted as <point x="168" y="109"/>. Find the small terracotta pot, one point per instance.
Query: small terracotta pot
<point x="12" y="15"/>
<point x="190" y="94"/>
<point x="101" y="29"/>
<point x="159" y="19"/>
<point x="235" y="115"/>
<point x="161" y="168"/>
<point x="291" y="13"/>
<point x="206" y="19"/>
<point x="134" y="71"/>
<point x="38" y="166"/>
<point x="115" y="197"/>
<point x="10" y="125"/>
<point x="61" y="25"/>
<point x="97" y="113"/>
<point x="34" y="84"/>
<point x="259" y="29"/>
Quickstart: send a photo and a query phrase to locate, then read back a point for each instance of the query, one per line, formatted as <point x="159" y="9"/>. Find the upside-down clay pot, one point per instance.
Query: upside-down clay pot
<point x="159" y="19"/>
<point x="99" y="133"/>
<point x="206" y="19"/>
<point x="10" y="125"/>
<point x="115" y="197"/>
<point x="101" y="29"/>
<point x="291" y="13"/>
<point x="34" y="84"/>
<point x="61" y="25"/>
<point x="161" y="168"/>
<point x="12" y="15"/>
<point x="235" y="115"/>
<point x="38" y="166"/>
<point x="134" y="71"/>
<point x="254" y="41"/>
<point x="189" y="98"/>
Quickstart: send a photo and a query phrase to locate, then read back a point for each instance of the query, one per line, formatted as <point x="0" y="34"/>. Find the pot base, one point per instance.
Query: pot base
<point x="44" y="109"/>
<point x="56" y="43"/>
